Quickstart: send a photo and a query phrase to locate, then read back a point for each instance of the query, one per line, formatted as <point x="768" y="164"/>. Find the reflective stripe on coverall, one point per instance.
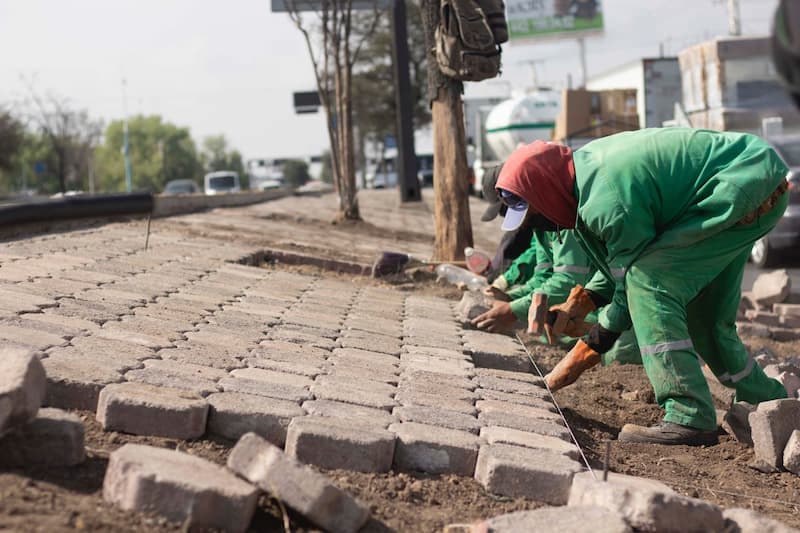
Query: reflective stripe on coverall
<point x="658" y="212"/>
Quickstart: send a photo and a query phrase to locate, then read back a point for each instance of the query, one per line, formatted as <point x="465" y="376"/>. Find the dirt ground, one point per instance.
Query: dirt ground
<point x="68" y="499"/>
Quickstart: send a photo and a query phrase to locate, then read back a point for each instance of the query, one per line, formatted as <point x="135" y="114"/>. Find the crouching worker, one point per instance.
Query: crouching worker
<point x="668" y="217"/>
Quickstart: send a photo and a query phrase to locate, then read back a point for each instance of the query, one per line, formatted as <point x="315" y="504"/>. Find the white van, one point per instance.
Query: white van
<point x="221" y="182"/>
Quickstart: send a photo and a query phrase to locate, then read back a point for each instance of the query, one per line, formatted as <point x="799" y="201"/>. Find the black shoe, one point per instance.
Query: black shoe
<point x="668" y="433"/>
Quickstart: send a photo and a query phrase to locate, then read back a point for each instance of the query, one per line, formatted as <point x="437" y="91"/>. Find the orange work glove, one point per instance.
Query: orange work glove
<point x="537" y="312"/>
<point x="570" y="315"/>
<point x="579" y="359"/>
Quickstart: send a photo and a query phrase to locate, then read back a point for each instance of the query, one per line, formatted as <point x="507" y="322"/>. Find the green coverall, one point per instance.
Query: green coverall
<point x="561" y="263"/>
<point x="660" y="213"/>
<point x="532" y="265"/>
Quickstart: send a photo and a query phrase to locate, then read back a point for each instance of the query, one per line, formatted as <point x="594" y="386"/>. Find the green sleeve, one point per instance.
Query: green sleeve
<point x="521" y="268"/>
<point x="571" y="266"/>
<point x="543" y="265"/>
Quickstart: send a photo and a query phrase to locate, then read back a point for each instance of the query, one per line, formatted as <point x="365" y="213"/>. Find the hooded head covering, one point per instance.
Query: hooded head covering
<point x="543" y="174"/>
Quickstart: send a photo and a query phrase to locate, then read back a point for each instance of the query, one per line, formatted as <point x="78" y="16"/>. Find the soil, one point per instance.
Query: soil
<point x="68" y="499"/>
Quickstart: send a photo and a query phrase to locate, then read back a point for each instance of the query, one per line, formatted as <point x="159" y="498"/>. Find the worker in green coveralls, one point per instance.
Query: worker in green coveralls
<point x="667" y="217"/>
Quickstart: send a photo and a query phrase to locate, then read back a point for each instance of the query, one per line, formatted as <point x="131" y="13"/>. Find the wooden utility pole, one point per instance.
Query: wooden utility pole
<point x="450" y="171"/>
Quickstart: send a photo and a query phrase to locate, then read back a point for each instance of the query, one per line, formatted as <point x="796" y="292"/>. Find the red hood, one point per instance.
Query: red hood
<point x="543" y="174"/>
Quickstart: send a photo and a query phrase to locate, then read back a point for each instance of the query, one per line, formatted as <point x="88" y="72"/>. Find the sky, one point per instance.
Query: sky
<point x="231" y="67"/>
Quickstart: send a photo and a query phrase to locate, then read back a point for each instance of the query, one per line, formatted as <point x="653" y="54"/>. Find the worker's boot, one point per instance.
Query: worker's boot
<point x="668" y="433"/>
<point x="579" y="359"/>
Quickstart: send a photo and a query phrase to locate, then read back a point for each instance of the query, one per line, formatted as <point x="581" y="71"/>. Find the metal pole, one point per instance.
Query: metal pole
<point x="125" y="150"/>
<point x="406" y="158"/>
<point x="734" y="22"/>
<point x="582" y="52"/>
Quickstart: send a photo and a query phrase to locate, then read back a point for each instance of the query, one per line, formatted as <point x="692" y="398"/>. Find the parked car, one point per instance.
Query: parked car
<point x="221" y="182"/>
<point x="769" y="250"/>
<point x="181" y="187"/>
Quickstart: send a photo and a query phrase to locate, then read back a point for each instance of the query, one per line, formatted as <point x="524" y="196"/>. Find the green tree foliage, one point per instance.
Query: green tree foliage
<point x="11" y="138"/>
<point x="295" y="172"/>
<point x="215" y="154"/>
<point x="159" y="152"/>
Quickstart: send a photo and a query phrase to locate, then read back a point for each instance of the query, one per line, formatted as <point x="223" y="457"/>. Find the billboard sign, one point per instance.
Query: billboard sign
<point x="299" y="6"/>
<point x="553" y="19"/>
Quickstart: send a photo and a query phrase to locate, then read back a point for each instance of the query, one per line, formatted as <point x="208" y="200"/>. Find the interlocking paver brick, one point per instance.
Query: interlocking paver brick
<point x="192" y="302"/>
<point x="53" y="438"/>
<point x="646" y="504"/>
<point x="437" y="417"/>
<point x="48" y="319"/>
<point x="118" y="362"/>
<point x="320" y="325"/>
<point x="434" y="450"/>
<point x="351" y="370"/>
<point x="95" y="346"/>
<point x="416" y="377"/>
<point x="360" y="384"/>
<point x="289" y="351"/>
<point x="771" y="425"/>
<point x="280" y="391"/>
<point x="22" y="386"/>
<point x="435" y="401"/>
<point x="176" y="380"/>
<point x="228" y="341"/>
<point x="578" y="519"/>
<point x="525" y="398"/>
<point x="182" y="487"/>
<point x="202" y="354"/>
<point x="249" y="334"/>
<point x="308" y="492"/>
<point x="22" y="302"/>
<point x="443" y="353"/>
<point x="107" y="294"/>
<point x="337" y="393"/>
<point x="546" y="412"/>
<point x="527" y="377"/>
<point x="31" y="338"/>
<point x="375" y="325"/>
<point x="164" y="330"/>
<point x="501" y="435"/>
<point x="375" y="343"/>
<point x="143" y="409"/>
<point x="232" y="414"/>
<point x="348" y="411"/>
<point x="176" y="303"/>
<point x="271" y="376"/>
<point x="444" y="368"/>
<point x="364" y="357"/>
<point x="159" y="312"/>
<point x="50" y="328"/>
<point x="534" y="473"/>
<point x="461" y="362"/>
<point x="509" y="385"/>
<point x="114" y="331"/>
<point x="287" y="334"/>
<point x="76" y="382"/>
<point x="432" y="387"/>
<point x="552" y="427"/>
<point x="95" y="311"/>
<point x="337" y="443"/>
<point x="56" y="287"/>
<point x="431" y="342"/>
<point x="238" y="320"/>
<point x="299" y="367"/>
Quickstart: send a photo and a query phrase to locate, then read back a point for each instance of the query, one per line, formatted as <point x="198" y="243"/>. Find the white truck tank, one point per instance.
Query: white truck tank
<point x="521" y="119"/>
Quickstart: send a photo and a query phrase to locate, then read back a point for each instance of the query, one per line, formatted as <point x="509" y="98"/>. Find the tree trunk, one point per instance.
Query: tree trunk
<point x="450" y="183"/>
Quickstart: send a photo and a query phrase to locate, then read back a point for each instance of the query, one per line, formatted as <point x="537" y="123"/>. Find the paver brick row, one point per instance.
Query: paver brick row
<point x="22" y="302"/>
<point x="546" y="411"/>
<point x="375" y="343"/>
<point x="76" y="382"/>
<point x="376" y="326"/>
<point x="443" y="368"/>
<point x="232" y="415"/>
<point x="202" y="354"/>
<point x="129" y="333"/>
<point x="377" y="400"/>
<point x="176" y="303"/>
<point x="105" y="294"/>
<point x="349" y="412"/>
<point x="440" y="387"/>
<point x="161" y="378"/>
<point x="434" y="401"/>
<point x="328" y="333"/>
<point x="54" y="287"/>
<point x="502" y="435"/>
<point x="35" y="339"/>
<point x="119" y="362"/>
<point x="434" y="450"/>
<point x="301" y="488"/>
<point x="95" y="311"/>
<point x="527" y="377"/>
<point x="181" y="318"/>
<point x="227" y="340"/>
<point x="272" y="376"/>
<point x="360" y="384"/>
<point x="53" y="438"/>
<point x="230" y="318"/>
<point x="296" y="336"/>
<point x="66" y="327"/>
<point x="335" y="443"/>
<point x="552" y="428"/>
<point x="281" y="391"/>
<point x="354" y="371"/>
<point x="182" y="487"/>
<point x="249" y="334"/>
<point x="440" y="417"/>
<point x="526" y="398"/>
<point x="298" y="367"/>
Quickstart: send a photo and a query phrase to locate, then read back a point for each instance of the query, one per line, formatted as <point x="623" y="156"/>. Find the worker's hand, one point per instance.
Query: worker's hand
<point x="567" y="317"/>
<point x="496" y="294"/>
<point x="579" y="359"/>
<point x="537" y="313"/>
<point x="500" y="282"/>
<point x="498" y="319"/>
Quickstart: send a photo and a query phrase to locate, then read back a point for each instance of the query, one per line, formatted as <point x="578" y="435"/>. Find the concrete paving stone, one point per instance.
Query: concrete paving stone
<point x="771" y="426"/>
<point x="251" y="334"/>
<point x="76" y="382"/>
<point x="434" y="336"/>
<point x="229" y="318"/>
<point x="317" y="323"/>
<point x="270" y="315"/>
<point x="181" y="487"/>
<point x="435" y="401"/>
<point x="359" y="383"/>
<point x="256" y="300"/>
<point x="552" y="426"/>
<point x="351" y="371"/>
<point x="67" y="327"/>
<point x="502" y="435"/>
<point x="527" y="398"/>
<point x="304" y="490"/>
<point x="420" y="386"/>
<point x="335" y="443"/>
<point x="312" y="331"/>
<point x="202" y="354"/>
<point x="287" y="334"/>
<point x="289" y="351"/>
<point x="519" y="472"/>
<point x="445" y="369"/>
<point x="442" y="353"/>
<point x="309" y="305"/>
<point x="280" y="391"/>
<point x="35" y="339"/>
<point x="53" y="438"/>
<point x="207" y="302"/>
<point x="175" y="303"/>
<point x="384" y="370"/>
<point x="129" y="334"/>
<point x="370" y="336"/>
<point x="434" y="450"/>
<point x="376" y="344"/>
<point x="299" y="368"/>
<point x="272" y="376"/>
<point x="382" y="328"/>
<point x="420" y="327"/>
<point x="106" y="294"/>
<point x="791" y="453"/>
<point x="22" y="386"/>
<point x="23" y="271"/>
<point x="245" y="271"/>
<point x="528" y="377"/>
<point x="749" y="521"/>
<point x="207" y="287"/>
<point x="377" y="400"/>
<point x="367" y="356"/>
<point x="142" y="409"/>
<point x="111" y="348"/>
<point x="95" y="311"/>
<point x="157" y="312"/>
<point x="120" y="267"/>
<point x="547" y="411"/>
<point x="171" y="329"/>
<point x="56" y="287"/>
<point x="489" y="358"/>
<point x="186" y="369"/>
<point x="233" y="414"/>
<point x="22" y="302"/>
<point x="646" y="504"/>
<point x="349" y="412"/>
<point x="437" y="417"/>
<point x="484" y="339"/>
<point x="159" y="378"/>
<point x="229" y="341"/>
<point x="118" y="362"/>
<point x="509" y="385"/>
<point x="413" y="375"/>
<point x="578" y="519"/>
<point x="430" y="342"/>
<point x="460" y="361"/>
